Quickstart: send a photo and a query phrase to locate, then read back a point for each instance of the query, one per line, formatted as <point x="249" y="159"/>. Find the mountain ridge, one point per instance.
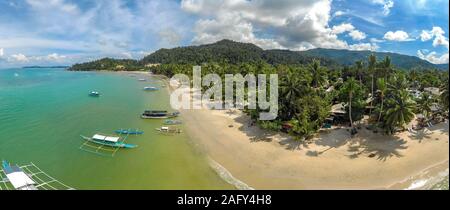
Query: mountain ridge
<point x="236" y="52"/>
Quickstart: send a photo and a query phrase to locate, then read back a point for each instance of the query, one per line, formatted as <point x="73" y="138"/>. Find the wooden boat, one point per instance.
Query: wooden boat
<point x="151" y="88"/>
<point x="111" y="141"/>
<point x="172" y="122"/>
<point x="152" y="114"/>
<point x="94" y="94"/>
<point x="17" y="177"/>
<point x="168" y="129"/>
<point x="129" y="131"/>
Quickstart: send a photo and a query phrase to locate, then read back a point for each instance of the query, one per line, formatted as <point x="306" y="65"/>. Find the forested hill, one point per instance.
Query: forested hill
<point x="229" y="52"/>
<point x="235" y="52"/>
<point x="347" y="57"/>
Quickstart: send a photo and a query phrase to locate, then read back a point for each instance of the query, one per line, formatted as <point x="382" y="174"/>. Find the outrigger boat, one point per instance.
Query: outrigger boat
<point x="27" y="177"/>
<point x="168" y="129"/>
<point x="129" y="132"/>
<point x="151" y="114"/>
<point x="172" y="122"/>
<point x="94" y="94"/>
<point x="151" y="88"/>
<point x="111" y="141"/>
<point x="17" y="177"/>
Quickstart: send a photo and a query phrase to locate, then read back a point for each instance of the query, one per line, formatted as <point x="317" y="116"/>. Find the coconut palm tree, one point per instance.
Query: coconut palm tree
<point x="399" y="110"/>
<point x="382" y="89"/>
<point x="359" y="70"/>
<point x="350" y="87"/>
<point x="372" y="65"/>
<point x="318" y="73"/>
<point x="444" y="95"/>
<point x="387" y="67"/>
<point x="290" y="89"/>
<point x="424" y="104"/>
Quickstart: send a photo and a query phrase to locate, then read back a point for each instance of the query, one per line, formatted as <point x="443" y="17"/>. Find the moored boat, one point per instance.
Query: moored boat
<point x="168" y="129"/>
<point x="172" y="122"/>
<point x="151" y="88"/>
<point x="94" y="94"/>
<point x="17" y="177"/>
<point x="152" y="114"/>
<point x="129" y="131"/>
<point x="111" y="141"/>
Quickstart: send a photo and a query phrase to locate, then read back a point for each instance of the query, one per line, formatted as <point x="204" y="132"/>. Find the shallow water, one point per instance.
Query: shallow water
<point x="43" y="112"/>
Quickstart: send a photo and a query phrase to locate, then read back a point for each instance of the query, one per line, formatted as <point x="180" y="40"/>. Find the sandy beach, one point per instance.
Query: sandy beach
<point x="252" y="158"/>
<point x="266" y="160"/>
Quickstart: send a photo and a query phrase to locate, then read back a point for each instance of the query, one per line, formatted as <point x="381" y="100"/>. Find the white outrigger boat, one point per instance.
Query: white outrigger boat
<point x="27" y="177"/>
<point x="169" y="129"/>
<point x="17" y="177"/>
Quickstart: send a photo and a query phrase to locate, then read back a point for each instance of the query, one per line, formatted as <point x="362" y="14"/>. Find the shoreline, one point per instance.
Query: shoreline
<point x="243" y="160"/>
<point x="269" y="164"/>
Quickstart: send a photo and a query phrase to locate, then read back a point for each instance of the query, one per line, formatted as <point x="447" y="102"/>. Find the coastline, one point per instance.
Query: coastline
<point x="249" y="157"/>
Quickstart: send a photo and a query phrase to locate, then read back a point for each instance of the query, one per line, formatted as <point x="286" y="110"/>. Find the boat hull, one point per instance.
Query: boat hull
<point x="110" y="144"/>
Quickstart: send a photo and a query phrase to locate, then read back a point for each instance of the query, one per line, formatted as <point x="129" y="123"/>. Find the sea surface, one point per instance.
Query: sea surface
<point x="43" y="112"/>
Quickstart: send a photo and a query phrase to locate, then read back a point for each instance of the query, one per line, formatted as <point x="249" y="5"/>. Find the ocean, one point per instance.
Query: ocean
<point x="43" y="112"/>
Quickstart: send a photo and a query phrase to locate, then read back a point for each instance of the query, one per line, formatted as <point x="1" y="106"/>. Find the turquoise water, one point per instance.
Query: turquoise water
<point x="43" y="112"/>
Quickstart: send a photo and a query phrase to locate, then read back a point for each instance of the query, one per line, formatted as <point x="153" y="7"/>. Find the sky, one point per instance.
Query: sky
<point x="64" y="32"/>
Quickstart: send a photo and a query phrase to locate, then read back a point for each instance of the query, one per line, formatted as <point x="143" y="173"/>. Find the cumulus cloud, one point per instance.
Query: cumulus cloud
<point x="387" y="5"/>
<point x="2" y="52"/>
<point x="19" y="57"/>
<point x="342" y="28"/>
<point x="399" y="36"/>
<point x="433" y="57"/>
<point x="103" y="28"/>
<point x="438" y="34"/>
<point x="55" y="57"/>
<point x="357" y="35"/>
<point x="296" y="25"/>
<point x="364" y="46"/>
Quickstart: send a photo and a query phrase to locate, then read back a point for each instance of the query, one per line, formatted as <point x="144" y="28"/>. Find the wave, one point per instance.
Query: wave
<point x="432" y="179"/>
<point x="227" y="176"/>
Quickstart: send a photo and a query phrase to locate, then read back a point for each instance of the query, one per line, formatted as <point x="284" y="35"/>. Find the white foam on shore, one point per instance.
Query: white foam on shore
<point x="227" y="176"/>
<point x="429" y="181"/>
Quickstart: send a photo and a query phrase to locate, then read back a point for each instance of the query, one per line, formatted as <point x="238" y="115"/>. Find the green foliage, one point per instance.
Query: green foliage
<point x="108" y="64"/>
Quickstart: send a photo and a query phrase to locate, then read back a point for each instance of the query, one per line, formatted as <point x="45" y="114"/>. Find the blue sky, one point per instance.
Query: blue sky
<point x="54" y="32"/>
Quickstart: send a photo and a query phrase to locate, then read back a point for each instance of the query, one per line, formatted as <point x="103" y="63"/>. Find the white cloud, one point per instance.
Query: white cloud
<point x="387" y="5"/>
<point x="339" y="13"/>
<point x="296" y="25"/>
<point x="56" y="57"/>
<point x="438" y="34"/>
<point x="357" y="35"/>
<point x="342" y="28"/>
<point x="433" y="57"/>
<point x="19" y="57"/>
<point x="364" y="46"/>
<point x="2" y="52"/>
<point x="399" y="36"/>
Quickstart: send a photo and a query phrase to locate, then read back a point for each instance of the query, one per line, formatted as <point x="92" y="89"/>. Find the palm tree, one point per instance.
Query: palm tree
<point x="387" y="67"/>
<point x="444" y="95"/>
<point x="318" y="73"/>
<point x="372" y="64"/>
<point x="359" y="70"/>
<point x="290" y="90"/>
<point x="350" y="87"/>
<point x="382" y="89"/>
<point x="399" y="111"/>
<point x="424" y="104"/>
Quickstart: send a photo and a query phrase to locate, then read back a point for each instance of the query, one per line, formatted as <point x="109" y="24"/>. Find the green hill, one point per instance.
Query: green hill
<point x="347" y="57"/>
<point x="236" y="52"/>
